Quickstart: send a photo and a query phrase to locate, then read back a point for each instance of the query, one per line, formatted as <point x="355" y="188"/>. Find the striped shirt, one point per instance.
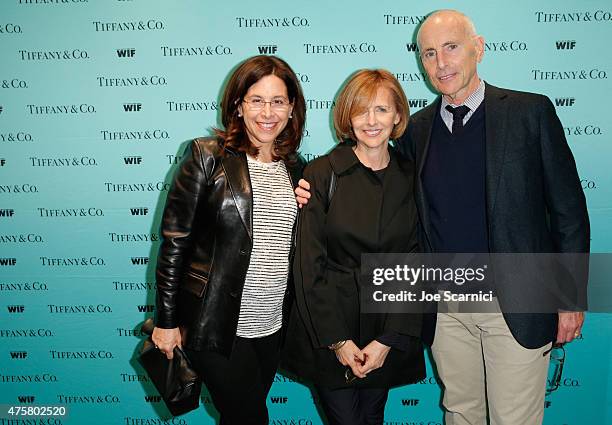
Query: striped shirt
<point x="274" y="212"/>
<point x="473" y="101"/>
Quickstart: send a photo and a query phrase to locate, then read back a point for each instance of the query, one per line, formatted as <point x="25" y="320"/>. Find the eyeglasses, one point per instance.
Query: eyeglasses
<point x="557" y="360"/>
<point x="257" y="104"/>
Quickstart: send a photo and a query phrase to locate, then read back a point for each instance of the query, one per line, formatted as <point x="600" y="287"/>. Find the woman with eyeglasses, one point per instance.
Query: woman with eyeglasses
<point x="227" y="232"/>
<point x="361" y="202"/>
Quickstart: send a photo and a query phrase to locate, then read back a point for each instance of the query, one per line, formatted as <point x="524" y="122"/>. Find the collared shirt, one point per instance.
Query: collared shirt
<point x="473" y="102"/>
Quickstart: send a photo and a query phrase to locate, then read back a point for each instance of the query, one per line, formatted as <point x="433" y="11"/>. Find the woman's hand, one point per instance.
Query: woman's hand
<point x="350" y="355"/>
<point x="302" y="193"/>
<point x="166" y="339"/>
<point x="375" y="354"/>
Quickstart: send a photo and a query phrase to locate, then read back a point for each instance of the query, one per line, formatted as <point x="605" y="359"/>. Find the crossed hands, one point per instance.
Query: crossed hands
<point x="363" y="361"/>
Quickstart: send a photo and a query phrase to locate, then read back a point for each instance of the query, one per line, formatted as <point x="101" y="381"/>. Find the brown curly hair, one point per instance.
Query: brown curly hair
<point x="248" y="73"/>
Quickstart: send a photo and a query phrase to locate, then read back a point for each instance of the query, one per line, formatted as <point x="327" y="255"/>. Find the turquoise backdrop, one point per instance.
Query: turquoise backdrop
<point x="97" y="101"/>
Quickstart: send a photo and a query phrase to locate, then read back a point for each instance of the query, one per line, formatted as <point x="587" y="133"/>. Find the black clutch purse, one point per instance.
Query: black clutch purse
<point x="176" y="381"/>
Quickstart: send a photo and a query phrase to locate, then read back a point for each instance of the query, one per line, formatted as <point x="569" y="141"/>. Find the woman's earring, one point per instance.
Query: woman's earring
<point x="239" y="114"/>
<point x="290" y="116"/>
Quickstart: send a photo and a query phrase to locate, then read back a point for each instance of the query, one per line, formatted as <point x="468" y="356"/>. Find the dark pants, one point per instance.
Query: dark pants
<point x="354" y="406"/>
<point x="239" y="386"/>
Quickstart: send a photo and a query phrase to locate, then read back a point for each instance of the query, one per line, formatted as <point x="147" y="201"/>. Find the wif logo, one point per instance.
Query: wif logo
<point x="412" y="47"/>
<point x="2" y="162"/>
<point x="279" y="400"/>
<point x="565" y="101"/>
<point x="148" y="308"/>
<point x="8" y="261"/>
<point x="132" y="107"/>
<point x="19" y="355"/>
<point x="566" y="44"/>
<point x="418" y="103"/>
<point x="7" y="212"/>
<point x="15" y="308"/>
<point x="26" y="398"/>
<point x="268" y="50"/>
<point x="139" y="211"/>
<point x="132" y="160"/>
<point x="152" y="398"/>
<point x="410" y="401"/>
<point x="126" y="53"/>
<point x="140" y="261"/>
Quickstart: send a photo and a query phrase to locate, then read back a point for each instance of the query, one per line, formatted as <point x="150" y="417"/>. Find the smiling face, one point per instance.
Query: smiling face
<point x="263" y="125"/>
<point x="373" y="126"/>
<point x="450" y="52"/>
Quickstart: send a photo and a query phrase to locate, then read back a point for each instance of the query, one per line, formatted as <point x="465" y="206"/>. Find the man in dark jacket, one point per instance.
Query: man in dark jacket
<point x="494" y="174"/>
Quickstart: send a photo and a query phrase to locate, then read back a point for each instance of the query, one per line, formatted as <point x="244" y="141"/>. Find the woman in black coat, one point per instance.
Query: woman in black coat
<point x="228" y="228"/>
<point x="361" y="202"/>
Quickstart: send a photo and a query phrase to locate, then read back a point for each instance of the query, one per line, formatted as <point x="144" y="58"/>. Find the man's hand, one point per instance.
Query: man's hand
<point x="350" y="355"/>
<point x="375" y="354"/>
<point x="166" y="339"/>
<point x="570" y="325"/>
<point x="302" y="193"/>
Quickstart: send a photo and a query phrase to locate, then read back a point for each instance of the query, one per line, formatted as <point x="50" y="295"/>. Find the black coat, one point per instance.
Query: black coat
<point x="363" y="216"/>
<point x="206" y="245"/>
<point x="534" y="200"/>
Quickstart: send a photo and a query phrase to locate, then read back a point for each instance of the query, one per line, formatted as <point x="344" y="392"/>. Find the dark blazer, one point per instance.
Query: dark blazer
<point x="364" y="215"/>
<point x="206" y="245"/>
<point x="534" y="200"/>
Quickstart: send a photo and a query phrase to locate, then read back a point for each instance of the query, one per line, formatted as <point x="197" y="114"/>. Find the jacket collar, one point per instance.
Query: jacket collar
<point x="399" y="177"/>
<point x="342" y="158"/>
<point x="228" y="149"/>
<point x="497" y="122"/>
<point x="239" y="182"/>
<point x="237" y="175"/>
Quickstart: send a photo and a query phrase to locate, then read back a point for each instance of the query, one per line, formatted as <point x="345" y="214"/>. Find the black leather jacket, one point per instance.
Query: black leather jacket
<point x="206" y="245"/>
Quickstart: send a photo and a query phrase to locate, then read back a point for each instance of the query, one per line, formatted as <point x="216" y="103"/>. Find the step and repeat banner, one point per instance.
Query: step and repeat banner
<point x="98" y="99"/>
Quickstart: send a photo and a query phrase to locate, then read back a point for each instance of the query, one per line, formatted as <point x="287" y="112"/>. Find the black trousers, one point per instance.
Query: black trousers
<point x="354" y="406"/>
<point x="239" y="386"/>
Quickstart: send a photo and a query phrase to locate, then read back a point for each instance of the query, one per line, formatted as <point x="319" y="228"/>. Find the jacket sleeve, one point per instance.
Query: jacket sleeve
<point x="405" y="143"/>
<point x="316" y="297"/>
<point x="402" y="325"/>
<point x="396" y="340"/>
<point x="569" y="220"/>
<point x="177" y="228"/>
